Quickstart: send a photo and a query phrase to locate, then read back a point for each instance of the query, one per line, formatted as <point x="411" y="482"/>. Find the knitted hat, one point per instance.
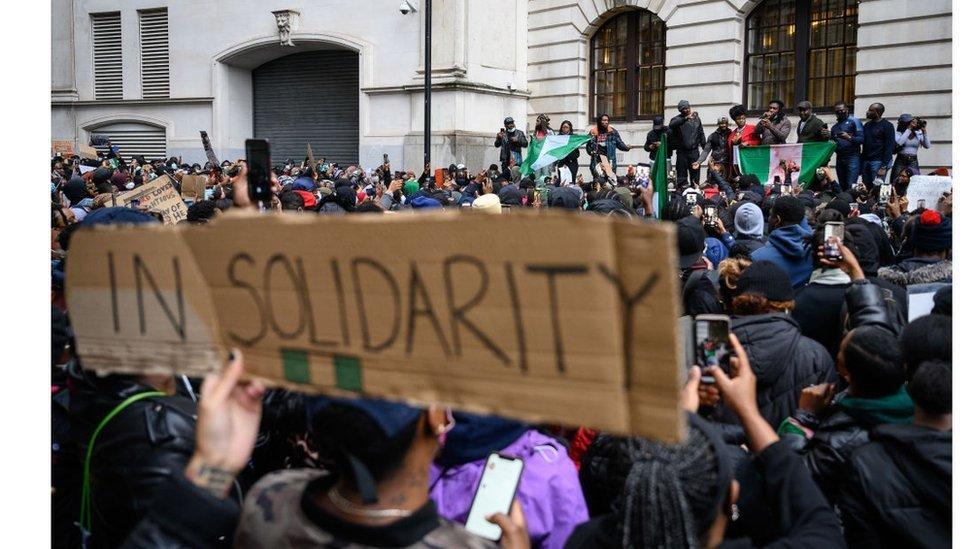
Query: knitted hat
<point x="933" y="232"/>
<point x="691" y="241"/>
<point x="411" y="187"/>
<point x="767" y="279"/>
<point x="488" y="203"/>
<point x="748" y="220"/>
<point x="683" y="103"/>
<point x="839" y="205"/>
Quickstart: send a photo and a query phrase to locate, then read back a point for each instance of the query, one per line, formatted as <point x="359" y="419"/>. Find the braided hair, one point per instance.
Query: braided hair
<point x="673" y="492"/>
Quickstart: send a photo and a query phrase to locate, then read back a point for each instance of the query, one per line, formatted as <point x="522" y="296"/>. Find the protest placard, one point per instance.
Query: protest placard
<point x="607" y="167"/>
<point x="88" y="152"/>
<point x="193" y="187"/>
<point x="927" y="189"/>
<point x="159" y="195"/>
<point x="579" y="329"/>
<point x="65" y="148"/>
<point x="309" y="156"/>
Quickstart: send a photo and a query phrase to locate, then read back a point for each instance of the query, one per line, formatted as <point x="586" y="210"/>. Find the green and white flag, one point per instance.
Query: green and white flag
<point x="549" y="149"/>
<point x="659" y="178"/>
<point x="768" y="161"/>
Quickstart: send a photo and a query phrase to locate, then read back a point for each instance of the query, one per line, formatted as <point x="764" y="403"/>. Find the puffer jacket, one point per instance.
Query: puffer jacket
<point x="899" y="492"/>
<point x="135" y="453"/>
<point x="784" y="362"/>
<point x="917" y="271"/>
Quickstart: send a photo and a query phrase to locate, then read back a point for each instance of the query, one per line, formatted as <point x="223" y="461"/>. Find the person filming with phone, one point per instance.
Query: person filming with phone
<point x="910" y="135"/>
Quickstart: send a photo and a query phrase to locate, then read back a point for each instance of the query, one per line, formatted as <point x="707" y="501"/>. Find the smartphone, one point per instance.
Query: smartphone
<point x="777" y="180"/>
<point x="691" y="199"/>
<point x="496" y="492"/>
<point x="711" y="215"/>
<point x="854" y="206"/>
<point x="784" y="189"/>
<point x="884" y="193"/>
<point x="921" y="205"/>
<point x="712" y="346"/>
<point x="386" y="158"/>
<point x="258" y="154"/>
<point x="833" y="237"/>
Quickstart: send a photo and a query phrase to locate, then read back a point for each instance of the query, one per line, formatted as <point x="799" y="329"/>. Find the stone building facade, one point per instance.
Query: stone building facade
<point x="348" y="74"/>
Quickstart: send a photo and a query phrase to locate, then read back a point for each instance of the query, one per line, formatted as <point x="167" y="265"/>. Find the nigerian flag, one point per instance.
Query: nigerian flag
<point x="767" y="161"/>
<point x="549" y="149"/>
<point x="659" y="178"/>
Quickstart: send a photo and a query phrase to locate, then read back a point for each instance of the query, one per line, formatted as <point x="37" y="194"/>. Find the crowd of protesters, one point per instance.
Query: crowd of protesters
<point x="833" y="426"/>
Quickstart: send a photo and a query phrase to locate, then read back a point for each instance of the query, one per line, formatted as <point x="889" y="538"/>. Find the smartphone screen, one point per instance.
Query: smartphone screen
<point x="691" y="198"/>
<point x="258" y="154"/>
<point x="711" y="215"/>
<point x="712" y="343"/>
<point x="784" y="189"/>
<point x="496" y="492"/>
<point x="833" y="236"/>
<point x="884" y="193"/>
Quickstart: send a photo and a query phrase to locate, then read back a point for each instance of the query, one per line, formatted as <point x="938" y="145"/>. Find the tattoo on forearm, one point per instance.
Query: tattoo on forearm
<point x="215" y="480"/>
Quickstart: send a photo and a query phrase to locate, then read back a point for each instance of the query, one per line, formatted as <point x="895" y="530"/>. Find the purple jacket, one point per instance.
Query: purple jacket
<point x="549" y="490"/>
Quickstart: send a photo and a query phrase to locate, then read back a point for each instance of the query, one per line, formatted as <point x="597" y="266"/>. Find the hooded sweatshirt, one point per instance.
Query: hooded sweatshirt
<point x="788" y="248"/>
<point x="549" y="489"/>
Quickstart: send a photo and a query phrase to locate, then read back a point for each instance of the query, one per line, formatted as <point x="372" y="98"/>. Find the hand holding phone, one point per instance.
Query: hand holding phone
<point x="496" y="494"/>
<point x="712" y="346"/>
<point x="258" y="153"/>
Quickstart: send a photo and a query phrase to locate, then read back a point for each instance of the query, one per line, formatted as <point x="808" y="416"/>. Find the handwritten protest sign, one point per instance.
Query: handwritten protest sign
<point x="88" y="152"/>
<point x="927" y="188"/>
<point x="579" y="329"/>
<point x="63" y="147"/>
<point x="193" y="187"/>
<point x="159" y="195"/>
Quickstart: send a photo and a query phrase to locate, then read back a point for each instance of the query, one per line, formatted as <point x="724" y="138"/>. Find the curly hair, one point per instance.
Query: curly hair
<point x="752" y="304"/>
<point x="729" y="271"/>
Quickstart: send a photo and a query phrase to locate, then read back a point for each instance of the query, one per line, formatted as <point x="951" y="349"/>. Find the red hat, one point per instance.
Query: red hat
<point x="308" y="198"/>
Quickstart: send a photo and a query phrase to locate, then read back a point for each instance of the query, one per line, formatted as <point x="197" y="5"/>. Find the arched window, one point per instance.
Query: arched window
<point x="627" y="67"/>
<point x="801" y="50"/>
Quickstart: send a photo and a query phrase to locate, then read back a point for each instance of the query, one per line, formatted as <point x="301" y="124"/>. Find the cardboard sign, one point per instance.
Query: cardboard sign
<point x="193" y="187"/>
<point x="65" y="148"/>
<point x="88" y="152"/>
<point x="928" y="188"/>
<point x="607" y="167"/>
<point x="208" y="149"/>
<point x="309" y="157"/>
<point x="579" y="329"/>
<point x="159" y="195"/>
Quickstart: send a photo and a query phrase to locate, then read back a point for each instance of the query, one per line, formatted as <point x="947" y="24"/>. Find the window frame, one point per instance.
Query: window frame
<point x="631" y="64"/>
<point x="801" y="58"/>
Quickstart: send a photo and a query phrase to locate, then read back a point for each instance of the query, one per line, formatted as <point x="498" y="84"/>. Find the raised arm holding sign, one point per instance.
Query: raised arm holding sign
<point x="580" y="333"/>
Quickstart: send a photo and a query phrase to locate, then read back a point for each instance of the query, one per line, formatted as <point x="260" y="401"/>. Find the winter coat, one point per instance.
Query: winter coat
<point x="134" y="454"/>
<point x="799" y="514"/>
<point x="843" y="429"/>
<point x="784" y="362"/>
<point x="687" y="133"/>
<point x="917" y="271"/>
<point x="749" y="242"/>
<point x="810" y="131"/>
<point x="819" y="309"/>
<point x="549" y="490"/>
<point x="776" y="133"/>
<point x="788" y="248"/>
<point x="613" y="142"/>
<point x="715" y="144"/>
<point x="899" y="491"/>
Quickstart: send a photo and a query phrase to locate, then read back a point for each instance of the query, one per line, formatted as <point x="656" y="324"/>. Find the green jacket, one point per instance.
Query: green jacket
<point x="811" y="130"/>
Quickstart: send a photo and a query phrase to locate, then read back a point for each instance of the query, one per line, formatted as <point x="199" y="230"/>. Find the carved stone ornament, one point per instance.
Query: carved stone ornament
<point x="284" y="19"/>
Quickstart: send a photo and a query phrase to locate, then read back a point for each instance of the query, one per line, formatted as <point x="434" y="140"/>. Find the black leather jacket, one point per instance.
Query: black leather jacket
<point x="134" y="454"/>
<point x="837" y="434"/>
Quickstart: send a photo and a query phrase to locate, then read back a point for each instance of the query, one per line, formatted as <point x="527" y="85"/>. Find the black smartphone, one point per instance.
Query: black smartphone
<point x="712" y="345"/>
<point x="258" y="154"/>
<point x="711" y="215"/>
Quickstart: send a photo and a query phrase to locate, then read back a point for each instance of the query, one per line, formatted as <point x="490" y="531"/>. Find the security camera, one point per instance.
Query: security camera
<point x="407" y="7"/>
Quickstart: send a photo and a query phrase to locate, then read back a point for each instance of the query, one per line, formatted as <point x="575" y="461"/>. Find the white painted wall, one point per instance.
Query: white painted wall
<point x="489" y="47"/>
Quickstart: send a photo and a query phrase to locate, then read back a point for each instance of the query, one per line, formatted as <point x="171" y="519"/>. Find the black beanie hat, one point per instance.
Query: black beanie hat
<point x="767" y="279"/>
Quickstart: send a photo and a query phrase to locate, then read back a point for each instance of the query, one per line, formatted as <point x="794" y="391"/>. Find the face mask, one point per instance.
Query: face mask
<point x="512" y="130"/>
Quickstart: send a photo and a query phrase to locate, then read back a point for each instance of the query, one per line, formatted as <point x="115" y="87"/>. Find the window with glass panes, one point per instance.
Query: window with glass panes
<point x="627" y="67"/>
<point x="801" y="50"/>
